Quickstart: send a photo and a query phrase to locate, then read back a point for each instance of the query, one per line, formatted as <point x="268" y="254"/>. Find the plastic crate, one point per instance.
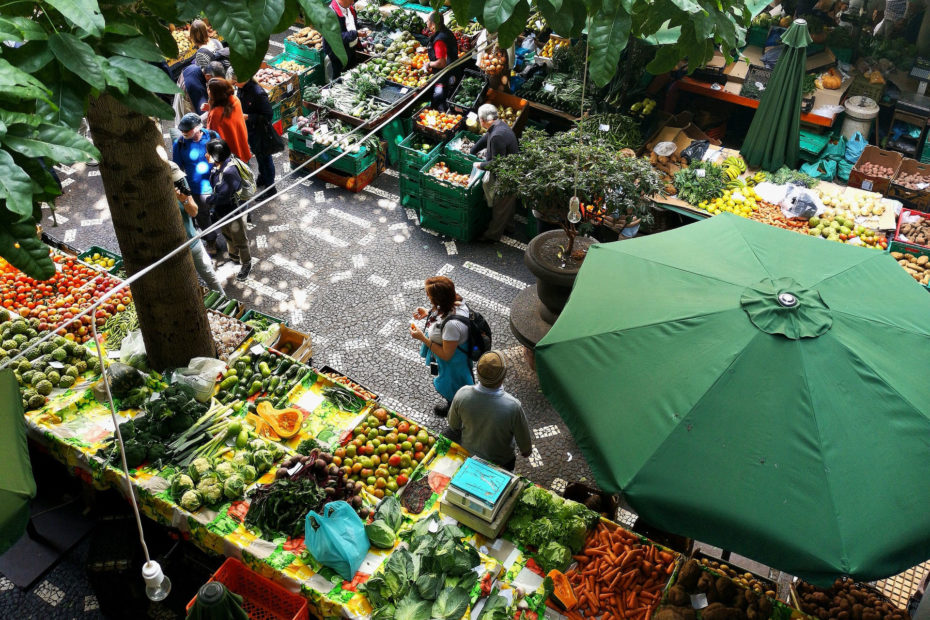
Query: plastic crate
<point x="897" y="230"/>
<point x="412" y="159"/>
<point x="283" y="90"/>
<point x="757" y="36"/>
<point x="410" y="193"/>
<point x="499" y="98"/>
<point x="96" y="249"/>
<point x="434" y="133"/>
<point x="462" y="223"/>
<point x="262" y="599"/>
<point x="861" y="86"/>
<point x="255" y="314"/>
<point x="351" y="164"/>
<point x="463" y="107"/>
<point x="310" y="54"/>
<point x="450" y="193"/>
<point x="453" y="154"/>
<point x="312" y="74"/>
<point x="813" y="143"/>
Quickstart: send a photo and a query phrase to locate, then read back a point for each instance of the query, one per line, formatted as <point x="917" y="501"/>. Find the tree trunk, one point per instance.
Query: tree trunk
<point x="148" y="226"/>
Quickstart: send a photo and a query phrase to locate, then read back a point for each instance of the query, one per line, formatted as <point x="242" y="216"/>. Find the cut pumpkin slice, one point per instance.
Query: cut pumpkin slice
<point x="262" y="428"/>
<point x="284" y="422"/>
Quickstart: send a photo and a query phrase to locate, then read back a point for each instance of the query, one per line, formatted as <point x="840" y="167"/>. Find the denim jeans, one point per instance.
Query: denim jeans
<point x="265" y="172"/>
<point x="204" y="266"/>
<point x="203" y="219"/>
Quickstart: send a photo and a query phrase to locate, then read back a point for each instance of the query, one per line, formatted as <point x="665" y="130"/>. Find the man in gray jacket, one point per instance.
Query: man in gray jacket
<point x="490" y="419"/>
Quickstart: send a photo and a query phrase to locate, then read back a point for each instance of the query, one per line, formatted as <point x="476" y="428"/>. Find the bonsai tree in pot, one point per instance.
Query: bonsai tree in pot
<point x="593" y="162"/>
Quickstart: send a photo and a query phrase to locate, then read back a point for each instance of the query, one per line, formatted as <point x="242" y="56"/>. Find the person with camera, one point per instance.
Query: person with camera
<point x="189" y="209"/>
<point x="442" y="338"/>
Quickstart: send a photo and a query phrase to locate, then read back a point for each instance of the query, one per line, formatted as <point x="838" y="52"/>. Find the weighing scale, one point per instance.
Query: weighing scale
<point x="481" y="496"/>
<point x="921" y="72"/>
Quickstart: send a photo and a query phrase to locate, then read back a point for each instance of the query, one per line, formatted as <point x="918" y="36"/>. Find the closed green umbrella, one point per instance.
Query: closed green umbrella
<point x="756" y="389"/>
<point x="17" y="487"/>
<point x="774" y="136"/>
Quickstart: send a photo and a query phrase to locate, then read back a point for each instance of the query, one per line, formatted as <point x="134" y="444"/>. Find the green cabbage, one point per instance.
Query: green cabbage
<point x="191" y="501"/>
<point x="262" y="460"/>
<point x="233" y="487"/>
<point x="380" y="534"/>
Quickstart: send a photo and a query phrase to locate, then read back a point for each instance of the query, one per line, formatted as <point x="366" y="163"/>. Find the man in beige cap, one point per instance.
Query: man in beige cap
<point x="489" y="418"/>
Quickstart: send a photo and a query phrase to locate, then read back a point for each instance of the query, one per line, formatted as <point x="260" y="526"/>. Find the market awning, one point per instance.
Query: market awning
<point x="17" y="487"/>
<point x="754" y="389"/>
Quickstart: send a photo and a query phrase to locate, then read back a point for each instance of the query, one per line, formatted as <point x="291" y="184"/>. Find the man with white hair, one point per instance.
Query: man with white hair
<point x="498" y="140"/>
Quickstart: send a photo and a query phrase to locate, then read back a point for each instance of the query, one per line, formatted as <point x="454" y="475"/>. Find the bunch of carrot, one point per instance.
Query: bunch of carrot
<point x="618" y="576"/>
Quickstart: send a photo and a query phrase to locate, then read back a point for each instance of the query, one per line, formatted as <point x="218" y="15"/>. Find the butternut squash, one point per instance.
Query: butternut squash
<point x="284" y="422"/>
<point x="562" y="592"/>
<point x="832" y="79"/>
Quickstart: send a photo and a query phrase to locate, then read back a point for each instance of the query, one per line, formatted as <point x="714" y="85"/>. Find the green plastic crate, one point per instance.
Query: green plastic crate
<point x="352" y="164"/>
<point x="813" y="143"/>
<point x="310" y="54"/>
<point x="454" y="154"/>
<point x="449" y="193"/>
<point x="255" y="314"/>
<point x="459" y="223"/>
<point x="412" y="159"/>
<point x="757" y="36"/>
<point x="96" y="249"/>
<point x="313" y="74"/>
<point x="410" y="194"/>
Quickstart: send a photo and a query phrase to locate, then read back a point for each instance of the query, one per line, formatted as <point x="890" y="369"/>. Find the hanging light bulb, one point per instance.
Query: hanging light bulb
<point x="574" y="210"/>
<point x="157" y="586"/>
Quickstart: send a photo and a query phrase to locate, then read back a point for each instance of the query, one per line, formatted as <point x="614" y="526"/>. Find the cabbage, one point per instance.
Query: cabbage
<point x="380" y="534"/>
<point x="225" y="469"/>
<point x="389" y="511"/>
<point x="553" y="555"/>
<point x="233" y="487"/>
<point x="212" y="494"/>
<point x="262" y="460"/>
<point x="199" y="467"/>
<point x="248" y="473"/>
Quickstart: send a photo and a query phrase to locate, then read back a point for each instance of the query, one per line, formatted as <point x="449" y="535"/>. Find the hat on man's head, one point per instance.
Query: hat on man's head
<point x="491" y="370"/>
<point x="176" y="173"/>
<point x="189" y="121"/>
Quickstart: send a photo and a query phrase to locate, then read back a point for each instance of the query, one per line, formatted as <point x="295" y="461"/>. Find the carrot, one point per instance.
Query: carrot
<point x="580" y="558"/>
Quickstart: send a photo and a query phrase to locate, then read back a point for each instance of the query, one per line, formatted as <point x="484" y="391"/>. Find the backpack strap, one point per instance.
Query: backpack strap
<point x="460" y="319"/>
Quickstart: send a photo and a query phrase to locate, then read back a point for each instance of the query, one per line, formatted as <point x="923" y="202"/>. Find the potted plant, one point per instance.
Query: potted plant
<point x="594" y="163"/>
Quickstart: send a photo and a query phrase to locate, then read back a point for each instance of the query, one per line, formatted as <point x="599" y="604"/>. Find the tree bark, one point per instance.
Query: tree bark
<point x="148" y="226"/>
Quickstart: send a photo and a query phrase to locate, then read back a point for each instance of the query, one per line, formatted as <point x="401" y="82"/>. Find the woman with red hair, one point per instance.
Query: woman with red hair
<point x="225" y="117"/>
<point x="445" y="332"/>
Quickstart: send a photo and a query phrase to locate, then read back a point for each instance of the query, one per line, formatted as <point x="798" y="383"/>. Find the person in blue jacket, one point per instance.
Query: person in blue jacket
<point x="190" y="153"/>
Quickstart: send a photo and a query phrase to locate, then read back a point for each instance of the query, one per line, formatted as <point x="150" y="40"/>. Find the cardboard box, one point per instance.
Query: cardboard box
<point x="918" y="199"/>
<point x="281" y="91"/>
<point x="820" y="61"/>
<point x="875" y="155"/>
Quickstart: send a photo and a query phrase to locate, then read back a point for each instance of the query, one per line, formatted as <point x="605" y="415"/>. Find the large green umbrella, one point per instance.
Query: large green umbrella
<point x="756" y="389"/>
<point x="17" y="486"/>
<point x="774" y="136"/>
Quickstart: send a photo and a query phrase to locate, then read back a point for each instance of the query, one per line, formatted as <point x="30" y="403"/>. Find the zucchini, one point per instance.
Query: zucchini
<point x="210" y="298"/>
<point x="281" y="403"/>
<point x="229" y="308"/>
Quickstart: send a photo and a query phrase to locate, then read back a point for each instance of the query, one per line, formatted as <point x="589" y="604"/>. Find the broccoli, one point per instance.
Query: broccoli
<point x="156" y="452"/>
<point x="135" y="453"/>
<point x="44" y="387"/>
<point x="191" y="500"/>
<point x="66" y="381"/>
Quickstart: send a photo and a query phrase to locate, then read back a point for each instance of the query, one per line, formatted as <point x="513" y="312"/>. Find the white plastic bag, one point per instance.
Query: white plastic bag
<point x="801" y="202"/>
<point x="200" y="374"/>
<point x="131" y="348"/>
<point x="771" y="193"/>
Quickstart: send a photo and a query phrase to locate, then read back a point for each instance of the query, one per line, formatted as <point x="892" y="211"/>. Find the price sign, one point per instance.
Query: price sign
<point x="700" y="173"/>
<point x="549" y="88"/>
<point x="604" y="127"/>
<point x="404" y="90"/>
<point x="56" y="364"/>
<point x="290" y="88"/>
<point x="257" y="350"/>
<point x="866" y="185"/>
<point x="324" y="128"/>
<point x="539" y="24"/>
<point x="309" y="143"/>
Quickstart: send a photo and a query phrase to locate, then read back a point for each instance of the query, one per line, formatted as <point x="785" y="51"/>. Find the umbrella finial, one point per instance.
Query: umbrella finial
<point x="787" y="300"/>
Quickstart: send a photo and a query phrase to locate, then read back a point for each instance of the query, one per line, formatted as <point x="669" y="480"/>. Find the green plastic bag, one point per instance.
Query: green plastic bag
<point x="835" y="151"/>
<point x="843" y="168"/>
<point x="824" y="169"/>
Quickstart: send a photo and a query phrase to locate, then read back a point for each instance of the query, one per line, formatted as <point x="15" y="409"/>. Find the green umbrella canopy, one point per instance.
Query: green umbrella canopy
<point x="17" y="486"/>
<point x="774" y="136"/>
<point x="794" y="432"/>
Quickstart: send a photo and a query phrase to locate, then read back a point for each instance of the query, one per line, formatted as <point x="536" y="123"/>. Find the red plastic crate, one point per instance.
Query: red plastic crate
<point x="897" y="231"/>
<point x="262" y="598"/>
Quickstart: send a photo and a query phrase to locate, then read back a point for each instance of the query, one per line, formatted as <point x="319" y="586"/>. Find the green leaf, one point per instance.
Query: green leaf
<point x="688" y="6"/>
<point x="144" y="102"/>
<point x="85" y="14"/>
<point x="18" y="83"/>
<point x="451" y="603"/>
<point x="460" y="10"/>
<point x="136" y="47"/>
<point x="232" y="19"/>
<point x="247" y="66"/>
<point x="288" y="16"/>
<point x="78" y="57"/>
<point x="121" y="28"/>
<point x="59" y="144"/>
<point x="68" y="99"/>
<point x="561" y="21"/>
<point x="31" y="30"/>
<point x="508" y="32"/>
<point x="9" y="31"/>
<point x="608" y="34"/>
<point x="411" y="607"/>
<point x="22" y="248"/>
<point x="265" y="16"/>
<point x="321" y="17"/>
<point x="145" y="75"/>
<point x="164" y="9"/>
<point x="667" y="57"/>
<point x="44" y="186"/>
<point x="496" y="12"/>
<point x="154" y="30"/>
<point x="31" y="56"/>
<point x="429" y="586"/>
<point x="115" y="77"/>
<point x="495" y="608"/>
<point x="15" y="185"/>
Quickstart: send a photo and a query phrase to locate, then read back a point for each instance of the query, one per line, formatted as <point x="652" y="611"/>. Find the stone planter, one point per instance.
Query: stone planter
<point x="537" y="307"/>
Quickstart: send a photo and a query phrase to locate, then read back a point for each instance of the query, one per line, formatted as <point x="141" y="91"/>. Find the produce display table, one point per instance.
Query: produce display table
<point x="704" y="89"/>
